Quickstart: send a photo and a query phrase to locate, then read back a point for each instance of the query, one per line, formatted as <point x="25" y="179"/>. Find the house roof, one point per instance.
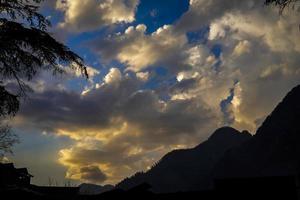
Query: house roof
<point x="7" y="166"/>
<point x="23" y="171"/>
<point x="11" y="167"/>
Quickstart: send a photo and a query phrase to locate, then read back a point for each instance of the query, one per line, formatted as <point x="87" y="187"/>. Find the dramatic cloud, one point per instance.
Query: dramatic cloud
<point x="202" y="12"/>
<point x="117" y="126"/>
<point x="89" y="174"/>
<point x="264" y="55"/>
<point x="125" y="122"/>
<point x="93" y="174"/>
<point x="138" y="50"/>
<point x="89" y="15"/>
<point x="258" y="62"/>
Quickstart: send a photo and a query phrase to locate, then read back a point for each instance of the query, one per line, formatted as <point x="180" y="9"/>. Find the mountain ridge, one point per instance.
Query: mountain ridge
<point x="187" y="168"/>
<point x="273" y="151"/>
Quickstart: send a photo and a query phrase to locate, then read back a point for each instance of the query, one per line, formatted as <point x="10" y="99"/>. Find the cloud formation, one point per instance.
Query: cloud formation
<point x="116" y="124"/>
<point x="88" y="174"/>
<point x="261" y="49"/>
<point x="121" y="125"/>
<point x="138" y="50"/>
<point x="89" y="15"/>
<point x="202" y="13"/>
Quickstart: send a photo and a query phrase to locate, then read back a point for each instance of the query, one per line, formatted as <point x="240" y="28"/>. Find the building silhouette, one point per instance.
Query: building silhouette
<point x="9" y="175"/>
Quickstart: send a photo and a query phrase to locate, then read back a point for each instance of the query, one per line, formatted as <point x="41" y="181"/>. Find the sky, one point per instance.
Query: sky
<point x="163" y="75"/>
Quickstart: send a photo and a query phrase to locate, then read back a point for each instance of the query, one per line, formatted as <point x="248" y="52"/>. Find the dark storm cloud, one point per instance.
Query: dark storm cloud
<point x="116" y="124"/>
<point x="184" y="85"/>
<point x="92" y="174"/>
<point x="121" y="126"/>
<point x="61" y="109"/>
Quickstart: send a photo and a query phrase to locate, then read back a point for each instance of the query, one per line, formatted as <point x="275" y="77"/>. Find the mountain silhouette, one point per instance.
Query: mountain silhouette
<point x="274" y="150"/>
<point x="188" y="169"/>
<point x="92" y="189"/>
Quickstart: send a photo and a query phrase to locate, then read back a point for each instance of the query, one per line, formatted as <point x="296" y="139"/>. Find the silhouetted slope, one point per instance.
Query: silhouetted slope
<point x="92" y="189"/>
<point x="189" y="169"/>
<point x="273" y="150"/>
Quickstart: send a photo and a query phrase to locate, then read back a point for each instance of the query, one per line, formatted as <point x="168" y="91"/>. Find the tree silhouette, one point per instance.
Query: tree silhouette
<point x="282" y="4"/>
<point x="25" y="49"/>
<point x="7" y="140"/>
